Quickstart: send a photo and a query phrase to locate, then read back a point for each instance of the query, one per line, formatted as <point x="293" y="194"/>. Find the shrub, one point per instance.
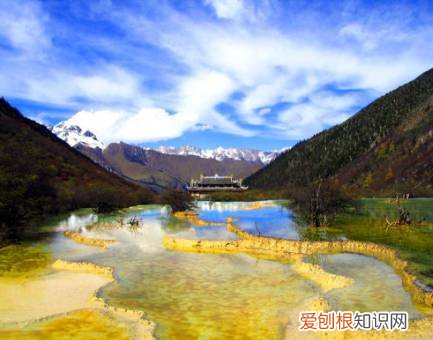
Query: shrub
<point x="178" y="200"/>
<point x="319" y="201"/>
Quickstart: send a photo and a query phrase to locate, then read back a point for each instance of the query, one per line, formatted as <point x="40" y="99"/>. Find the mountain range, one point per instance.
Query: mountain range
<point x="386" y="147"/>
<point x="74" y="135"/>
<point x="164" y="167"/>
<point x="41" y="174"/>
<point x="220" y="154"/>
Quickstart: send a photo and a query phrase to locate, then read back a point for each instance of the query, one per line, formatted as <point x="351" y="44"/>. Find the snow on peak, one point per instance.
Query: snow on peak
<point x="74" y="135"/>
<point x="221" y="153"/>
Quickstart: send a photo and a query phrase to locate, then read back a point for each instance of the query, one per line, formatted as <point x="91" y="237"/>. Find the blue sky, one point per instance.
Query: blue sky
<point x="231" y="73"/>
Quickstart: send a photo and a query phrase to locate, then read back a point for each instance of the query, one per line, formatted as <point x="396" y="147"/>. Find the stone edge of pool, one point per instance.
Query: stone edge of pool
<point x="263" y="245"/>
<point x="144" y="328"/>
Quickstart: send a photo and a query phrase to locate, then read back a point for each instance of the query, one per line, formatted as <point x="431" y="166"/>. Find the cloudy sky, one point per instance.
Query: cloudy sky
<point x="231" y="73"/>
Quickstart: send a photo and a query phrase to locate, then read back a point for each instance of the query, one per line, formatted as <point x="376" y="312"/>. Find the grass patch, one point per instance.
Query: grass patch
<point x="366" y="222"/>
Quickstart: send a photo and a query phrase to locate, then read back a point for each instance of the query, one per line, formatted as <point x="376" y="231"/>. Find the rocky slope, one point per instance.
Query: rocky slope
<point x="157" y="170"/>
<point x="164" y="167"/>
<point x="74" y="135"/>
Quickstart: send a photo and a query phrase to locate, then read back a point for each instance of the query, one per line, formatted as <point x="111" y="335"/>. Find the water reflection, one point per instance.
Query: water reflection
<point x="77" y="222"/>
<point x="273" y="219"/>
<point x="192" y="295"/>
<point x="376" y="285"/>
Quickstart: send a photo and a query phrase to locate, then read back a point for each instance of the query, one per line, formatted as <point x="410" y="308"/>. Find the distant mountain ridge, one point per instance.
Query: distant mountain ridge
<point x="249" y="155"/>
<point x="165" y="167"/>
<point x="157" y="170"/>
<point x="384" y="148"/>
<point x="74" y="135"/>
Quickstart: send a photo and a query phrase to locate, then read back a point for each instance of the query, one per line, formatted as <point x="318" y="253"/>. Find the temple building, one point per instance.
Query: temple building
<point x="215" y="183"/>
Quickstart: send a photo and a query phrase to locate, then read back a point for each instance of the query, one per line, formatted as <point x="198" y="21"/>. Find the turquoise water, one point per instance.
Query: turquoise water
<point x="274" y="221"/>
<point x="214" y="296"/>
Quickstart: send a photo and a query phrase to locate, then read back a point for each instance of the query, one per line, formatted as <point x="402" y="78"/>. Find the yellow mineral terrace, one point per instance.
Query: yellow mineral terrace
<point x="294" y="251"/>
<point x="192" y="217"/>
<point x="77" y="237"/>
<point x="253" y="244"/>
<point x="141" y="328"/>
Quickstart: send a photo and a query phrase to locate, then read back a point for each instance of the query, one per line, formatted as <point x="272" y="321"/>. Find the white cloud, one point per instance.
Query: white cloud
<point x="200" y="92"/>
<point x="197" y="97"/>
<point x="151" y="124"/>
<point x="333" y="102"/>
<point x="112" y="82"/>
<point x="22" y="24"/>
<point x="252" y="11"/>
<point x="226" y="9"/>
<point x="269" y="67"/>
<point x="198" y="64"/>
<point x="147" y="125"/>
<point x="323" y="109"/>
<point x="103" y="85"/>
<point x="371" y="39"/>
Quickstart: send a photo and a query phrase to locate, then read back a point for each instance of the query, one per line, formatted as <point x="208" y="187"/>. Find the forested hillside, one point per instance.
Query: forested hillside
<point x="385" y="147"/>
<point x="40" y="174"/>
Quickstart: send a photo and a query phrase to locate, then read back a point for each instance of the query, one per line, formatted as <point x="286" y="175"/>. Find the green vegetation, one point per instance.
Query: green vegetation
<point x="319" y="201"/>
<point x="41" y="175"/>
<point x="393" y="132"/>
<point x="367" y="222"/>
<point x="244" y="196"/>
<point x="178" y="200"/>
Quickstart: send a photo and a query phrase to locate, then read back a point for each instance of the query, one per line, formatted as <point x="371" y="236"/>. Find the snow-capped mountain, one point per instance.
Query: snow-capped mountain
<point x="74" y="135"/>
<point x="220" y="153"/>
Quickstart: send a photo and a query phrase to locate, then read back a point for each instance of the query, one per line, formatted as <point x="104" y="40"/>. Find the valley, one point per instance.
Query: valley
<point x="163" y="167"/>
<point x="216" y="170"/>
